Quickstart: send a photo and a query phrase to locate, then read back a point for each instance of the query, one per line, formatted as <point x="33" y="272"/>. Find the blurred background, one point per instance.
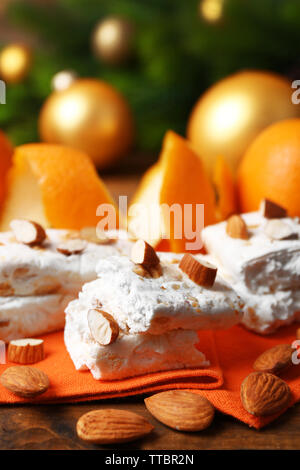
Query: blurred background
<point x="154" y="60"/>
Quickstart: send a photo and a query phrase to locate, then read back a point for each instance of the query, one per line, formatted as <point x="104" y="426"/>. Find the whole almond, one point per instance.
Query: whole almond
<point x="112" y="426"/>
<point x="144" y="254"/>
<point x="71" y="247"/>
<point x="181" y="410"/>
<point x="24" y="381"/>
<point x="236" y="227"/>
<point x="277" y="229"/>
<point x="28" y="232"/>
<point x="275" y="360"/>
<point x="103" y="327"/>
<point x="264" y="394"/>
<point x="201" y="272"/>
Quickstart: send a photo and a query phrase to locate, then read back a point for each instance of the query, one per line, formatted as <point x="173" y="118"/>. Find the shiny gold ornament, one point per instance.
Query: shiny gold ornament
<point x="112" y="40"/>
<point x="15" y="62"/>
<point x="89" y="115"/>
<point x="233" y="111"/>
<point x="211" y="10"/>
<point x="63" y="79"/>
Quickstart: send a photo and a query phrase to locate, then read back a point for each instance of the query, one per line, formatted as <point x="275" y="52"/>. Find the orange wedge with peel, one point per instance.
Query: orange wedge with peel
<point x="140" y="222"/>
<point x="6" y="151"/>
<point x="176" y="180"/>
<point x="54" y="185"/>
<point x="225" y="190"/>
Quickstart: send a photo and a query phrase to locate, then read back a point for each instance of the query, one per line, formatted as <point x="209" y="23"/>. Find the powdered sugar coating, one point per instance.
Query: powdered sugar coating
<point x="265" y="273"/>
<point x="158" y="305"/>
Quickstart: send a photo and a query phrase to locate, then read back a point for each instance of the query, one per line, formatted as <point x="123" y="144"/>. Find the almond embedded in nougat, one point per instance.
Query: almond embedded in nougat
<point x="71" y="247"/>
<point x="202" y="273"/>
<point x="112" y="426"/>
<point x="264" y="394"/>
<point x="92" y="235"/>
<point x="144" y="254"/>
<point x="103" y="327"/>
<point x="236" y="227"/>
<point x="181" y="410"/>
<point x="25" y="351"/>
<point x="271" y="210"/>
<point x="28" y="232"/>
<point x="275" y="360"/>
<point x="25" y="381"/>
<point x="279" y="230"/>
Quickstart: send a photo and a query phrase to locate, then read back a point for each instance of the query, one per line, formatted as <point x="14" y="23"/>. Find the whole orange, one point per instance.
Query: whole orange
<point x="233" y="111"/>
<point x="270" y="168"/>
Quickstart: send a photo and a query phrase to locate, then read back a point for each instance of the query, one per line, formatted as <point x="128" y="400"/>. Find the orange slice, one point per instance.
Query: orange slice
<point x="55" y="186"/>
<point x="225" y="189"/>
<point x="177" y="179"/>
<point x="140" y="222"/>
<point x="6" y="152"/>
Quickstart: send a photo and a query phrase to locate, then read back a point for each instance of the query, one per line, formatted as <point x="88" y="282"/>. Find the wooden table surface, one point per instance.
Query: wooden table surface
<point x="53" y="426"/>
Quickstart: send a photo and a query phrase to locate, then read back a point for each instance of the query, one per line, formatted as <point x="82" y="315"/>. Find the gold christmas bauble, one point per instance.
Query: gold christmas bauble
<point x="211" y="10"/>
<point x="89" y="115"/>
<point x="112" y="40"/>
<point x="232" y="112"/>
<point x="15" y="62"/>
<point x="63" y="79"/>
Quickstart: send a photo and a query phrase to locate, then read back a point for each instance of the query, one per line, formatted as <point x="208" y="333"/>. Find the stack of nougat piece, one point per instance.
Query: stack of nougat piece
<point x="141" y="316"/>
<point x="258" y="253"/>
<point x="42" y="271"/>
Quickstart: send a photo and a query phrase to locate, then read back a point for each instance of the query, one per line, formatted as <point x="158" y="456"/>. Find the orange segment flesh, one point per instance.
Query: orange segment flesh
<point x="178" y="178"/>
<point x="140" y="222"/>
<point x="184" y="182"/>
<point x="54" y="185"/>
<point x="225" y="188"/>
<point x="6" y="151"/>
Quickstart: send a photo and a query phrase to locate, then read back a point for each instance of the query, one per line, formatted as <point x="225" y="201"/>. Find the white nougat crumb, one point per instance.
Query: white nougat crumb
<point x="264" y="272"/>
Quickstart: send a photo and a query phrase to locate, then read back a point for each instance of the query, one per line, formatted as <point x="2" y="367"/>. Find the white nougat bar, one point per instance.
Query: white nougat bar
<point x="23" y="317"/>
<point x="158" y="305"/>
<point x="158" y="318"/>
<point x="27" y="271"/>
<point x="264" y="272"/>
<point x="132" y="354"/>
<point x="263" y="264"/>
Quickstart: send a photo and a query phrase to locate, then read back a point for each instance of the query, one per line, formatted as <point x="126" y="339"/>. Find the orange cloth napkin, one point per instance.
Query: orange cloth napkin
<point x="68" y="385"/>
<point x="231" y="353"/>
<point x="237" y="350"/>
